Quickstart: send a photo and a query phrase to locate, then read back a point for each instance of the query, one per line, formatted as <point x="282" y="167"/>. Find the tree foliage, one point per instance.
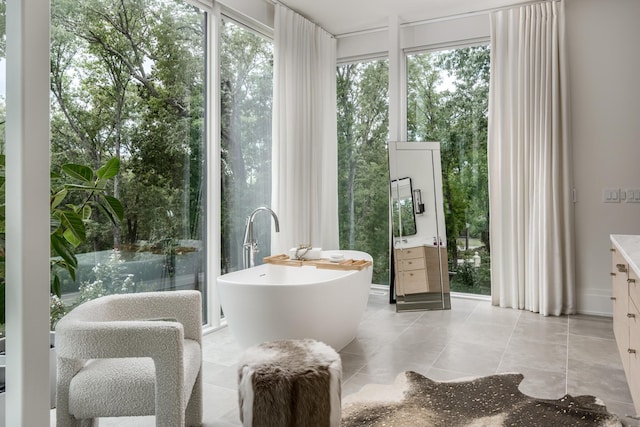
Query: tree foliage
<point x="363" y="171"/>
<point x="127" y="82"/>
<point x="247" y="100"/>
<point x="448" y="102"/>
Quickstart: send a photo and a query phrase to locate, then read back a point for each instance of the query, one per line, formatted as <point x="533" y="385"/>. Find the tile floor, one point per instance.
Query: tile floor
<point x="557" y="355"/>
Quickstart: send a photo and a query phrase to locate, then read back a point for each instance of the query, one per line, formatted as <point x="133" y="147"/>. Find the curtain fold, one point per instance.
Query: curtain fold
<point x="305" y="159"/>
<point x="530" y="177"/>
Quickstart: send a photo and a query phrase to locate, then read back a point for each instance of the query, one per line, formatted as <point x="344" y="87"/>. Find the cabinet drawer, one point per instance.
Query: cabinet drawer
<point x="410" y="253"/>
<point x="620" y="299"/>
<point x="411" y="264"/>
<point x="413" y="282"/>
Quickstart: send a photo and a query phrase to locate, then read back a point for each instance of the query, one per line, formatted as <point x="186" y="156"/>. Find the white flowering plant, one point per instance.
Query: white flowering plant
<point x="109" y="278"/>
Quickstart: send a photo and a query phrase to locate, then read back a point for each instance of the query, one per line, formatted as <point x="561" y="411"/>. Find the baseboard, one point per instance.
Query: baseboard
<point x="594" y="302"/>
<point x="477" y="297"/>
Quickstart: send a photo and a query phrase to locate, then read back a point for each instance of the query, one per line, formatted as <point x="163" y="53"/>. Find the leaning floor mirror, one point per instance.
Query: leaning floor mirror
<point x="420" y="278"/>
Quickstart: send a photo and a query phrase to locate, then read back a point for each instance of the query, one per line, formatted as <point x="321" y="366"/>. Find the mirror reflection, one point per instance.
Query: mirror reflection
<point x="420" y="279"/>
<point x="404" y="224"/>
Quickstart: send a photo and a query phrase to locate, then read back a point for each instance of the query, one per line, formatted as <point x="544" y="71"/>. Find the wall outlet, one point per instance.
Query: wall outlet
<point x="611" y="195"/>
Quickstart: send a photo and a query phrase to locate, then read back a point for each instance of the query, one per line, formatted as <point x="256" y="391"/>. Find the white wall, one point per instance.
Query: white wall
<point x="604" y="73"/>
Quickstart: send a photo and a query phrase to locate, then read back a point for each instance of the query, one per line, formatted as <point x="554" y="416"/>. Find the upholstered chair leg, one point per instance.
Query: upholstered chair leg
<point x="193" y="413"/>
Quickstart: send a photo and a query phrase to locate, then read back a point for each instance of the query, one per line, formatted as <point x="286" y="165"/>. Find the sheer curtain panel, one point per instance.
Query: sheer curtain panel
<point x="532" y="244"/>
<point x="305" y="147"/>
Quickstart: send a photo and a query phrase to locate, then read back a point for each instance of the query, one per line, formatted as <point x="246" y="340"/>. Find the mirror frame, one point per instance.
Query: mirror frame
<point x="399" y="225"/>
<point x="429" y="237"/>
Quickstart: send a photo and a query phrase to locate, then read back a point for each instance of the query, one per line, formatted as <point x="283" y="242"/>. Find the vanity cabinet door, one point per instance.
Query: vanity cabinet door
<point x="414" y="282"/>
<point x="437" y="267"/>
<point x="412" y="275"/>
<point x="620" y="299"/>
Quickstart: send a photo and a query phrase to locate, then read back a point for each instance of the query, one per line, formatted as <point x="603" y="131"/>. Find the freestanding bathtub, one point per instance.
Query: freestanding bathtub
<point x="270" y="302"/>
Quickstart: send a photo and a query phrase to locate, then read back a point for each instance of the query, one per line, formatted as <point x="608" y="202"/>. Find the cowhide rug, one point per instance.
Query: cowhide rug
<point x="415" y="400"/>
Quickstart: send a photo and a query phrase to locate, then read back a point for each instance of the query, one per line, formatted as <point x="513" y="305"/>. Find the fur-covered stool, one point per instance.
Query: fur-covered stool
<point x="290" y="383"/>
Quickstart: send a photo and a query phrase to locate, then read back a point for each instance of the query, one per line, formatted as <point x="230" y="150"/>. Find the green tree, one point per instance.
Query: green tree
<point x="127" y="81"/>
<point x="247" y="100"/>
<point x="448" y="102"/>
<point x="363" y="171"/>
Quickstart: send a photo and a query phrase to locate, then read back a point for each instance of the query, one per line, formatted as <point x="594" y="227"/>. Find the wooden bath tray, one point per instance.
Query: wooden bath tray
<point x="347" y="264"/>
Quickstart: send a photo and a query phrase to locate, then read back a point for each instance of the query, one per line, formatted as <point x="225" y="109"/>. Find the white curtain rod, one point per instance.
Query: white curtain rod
<point x="443" y="18"/>
<point x="276" y="2"/>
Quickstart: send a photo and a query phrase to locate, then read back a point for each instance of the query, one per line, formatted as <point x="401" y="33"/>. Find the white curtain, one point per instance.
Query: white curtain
<point x="532" y="245"/>
<point x="305" y="147"/>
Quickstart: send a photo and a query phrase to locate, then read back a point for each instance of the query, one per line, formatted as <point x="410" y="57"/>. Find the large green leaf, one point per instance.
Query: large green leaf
<point x="62" y="249"/>
<point x="57" y="198"/>
<point x="55" y="286"/>
<point x="81" y="172"/>
<point x="115" y="206"/>
<point x="109" y="169"/>
<point x="54" y="223"/>
<point x="74" y="229"/>
<point x="115" y="216"/>
<point x="86" y="212"/>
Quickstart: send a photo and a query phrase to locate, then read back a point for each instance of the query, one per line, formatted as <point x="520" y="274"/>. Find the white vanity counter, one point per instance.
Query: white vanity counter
<point x="629" y="247"/>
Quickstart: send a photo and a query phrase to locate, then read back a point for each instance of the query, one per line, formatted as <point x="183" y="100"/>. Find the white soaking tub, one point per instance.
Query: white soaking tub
<point x="270" y="302"/>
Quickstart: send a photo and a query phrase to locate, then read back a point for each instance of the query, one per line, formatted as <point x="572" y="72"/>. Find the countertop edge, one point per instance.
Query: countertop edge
<point x="629" y="247"/>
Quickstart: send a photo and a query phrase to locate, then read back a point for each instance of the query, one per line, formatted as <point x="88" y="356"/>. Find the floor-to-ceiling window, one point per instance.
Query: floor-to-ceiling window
<point x="363" y="171"/>
<point x="246" y="70"/>
<point x="447" y="101"/>
<point x="128" y="81"/>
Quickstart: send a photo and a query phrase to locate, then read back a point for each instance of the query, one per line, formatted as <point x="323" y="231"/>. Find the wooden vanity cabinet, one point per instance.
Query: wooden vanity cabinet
<point x="626" y="318"/>
<point x="417" y="270"/>
<point x="634" y="338"/>
<point x="620" y="299"/>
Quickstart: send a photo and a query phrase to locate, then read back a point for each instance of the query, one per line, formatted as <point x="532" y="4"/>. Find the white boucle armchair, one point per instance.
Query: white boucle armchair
<point x="129" y="355"/>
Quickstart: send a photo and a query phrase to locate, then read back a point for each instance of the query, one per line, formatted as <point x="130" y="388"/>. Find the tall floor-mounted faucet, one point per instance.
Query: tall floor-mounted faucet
<point x="250" y="245"/>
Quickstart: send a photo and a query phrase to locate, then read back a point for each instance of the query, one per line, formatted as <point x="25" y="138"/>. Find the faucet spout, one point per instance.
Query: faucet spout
<point x="250" y="245"/>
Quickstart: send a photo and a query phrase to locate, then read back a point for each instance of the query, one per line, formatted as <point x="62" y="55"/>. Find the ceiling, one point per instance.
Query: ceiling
<point x="346" y="16"/>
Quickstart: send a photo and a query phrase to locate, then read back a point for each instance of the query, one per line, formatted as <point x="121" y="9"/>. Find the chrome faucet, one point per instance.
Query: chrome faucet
<point x="250" y="245"/>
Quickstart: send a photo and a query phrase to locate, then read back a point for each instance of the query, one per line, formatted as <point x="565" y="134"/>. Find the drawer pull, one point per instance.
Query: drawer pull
<point x="631" y="351"/>
<point x="622" y="268"/>
<point x="631" y="280"/>
<point x="612" y="298"/>
<point x="631" y="315"/>
<point x="612" y="249"/>
<point x="613" y="274"/>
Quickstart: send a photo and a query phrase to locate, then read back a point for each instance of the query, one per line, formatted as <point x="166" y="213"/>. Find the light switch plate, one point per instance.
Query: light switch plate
<point x="611" y="195"/>
<point x="633" y="195"/>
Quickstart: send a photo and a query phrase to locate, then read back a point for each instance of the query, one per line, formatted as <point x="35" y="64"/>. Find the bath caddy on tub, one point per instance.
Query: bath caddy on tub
<point x="347" y="264"/>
